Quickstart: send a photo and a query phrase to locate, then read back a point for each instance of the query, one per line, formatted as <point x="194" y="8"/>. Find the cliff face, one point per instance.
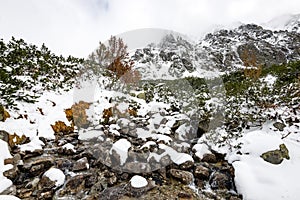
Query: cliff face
<point x="220" y="51"/>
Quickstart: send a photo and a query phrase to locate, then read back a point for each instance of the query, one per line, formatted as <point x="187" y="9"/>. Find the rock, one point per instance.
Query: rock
<point x="284" y="151"/>
<point x="35" y="166"/>
<point x="46" y="195"/>
<point x="112" y="180"/>
<point x="3" y="114"/>
<point x="276" y="156"/>
<point x="209" y="157"/>
<point x="220" y="181"/>
<point x="142" y="95"/>
<point x="184" y="195"/>
<point x="4" y="135"/>
<point x="63" y="163"/>
<point x="81" y="164"/>
<point x="184" y="176"/>
<point x="202" y="172"/>
<point x="137" y="167"/>
<point x="66" y="151"/>
<point x="45" y="184"/>
<point x="33" y="184"/>
<point x="12" y="173"/>
<point x="139" y="191"/>
<point x="12" y="190"/>
<point x="113" y="193"/>
<point x="173" y="190"/>
<point x="35" y="153"/>
<point x="280" y="126"/>
<point x="24" y="193"/>
<point x="76" y="184"/>
<point x="186" y="165"/>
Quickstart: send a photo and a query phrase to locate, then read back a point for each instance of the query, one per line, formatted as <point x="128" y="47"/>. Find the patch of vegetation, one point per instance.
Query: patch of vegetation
<point x="26" y="71"/>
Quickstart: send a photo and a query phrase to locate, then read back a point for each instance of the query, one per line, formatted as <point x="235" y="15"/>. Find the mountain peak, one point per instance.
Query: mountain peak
<point x="289" y="22"/>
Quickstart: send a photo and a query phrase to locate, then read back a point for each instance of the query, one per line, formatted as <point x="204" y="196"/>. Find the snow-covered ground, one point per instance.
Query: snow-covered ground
<point x="255" y="178"/>
<point x="4" y="153"/>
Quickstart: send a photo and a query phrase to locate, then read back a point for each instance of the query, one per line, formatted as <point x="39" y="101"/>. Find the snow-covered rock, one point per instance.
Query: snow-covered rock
<point x="56" y="175"/>
<point x="138" y="181"/>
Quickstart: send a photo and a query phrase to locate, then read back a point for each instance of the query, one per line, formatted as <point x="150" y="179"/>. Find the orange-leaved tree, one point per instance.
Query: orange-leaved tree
<point x="114" y="57"/>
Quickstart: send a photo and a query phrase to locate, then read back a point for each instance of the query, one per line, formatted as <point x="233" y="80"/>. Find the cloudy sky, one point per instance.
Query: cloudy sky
<point x="76" y="26"/>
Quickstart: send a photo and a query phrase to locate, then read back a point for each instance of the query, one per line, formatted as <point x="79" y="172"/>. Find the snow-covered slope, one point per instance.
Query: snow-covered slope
<point x="223" y="50"/>
<point x="285" y="22"/>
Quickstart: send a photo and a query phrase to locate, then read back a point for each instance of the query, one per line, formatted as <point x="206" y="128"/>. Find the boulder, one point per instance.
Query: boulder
<point x="276" y="156"/>
<point x="220" y="181"/>
<point x="280" y="126"/>
<point x="202" y="172"/>
<point x="183" y="176"/>
<point x="81" y="164"/>
<point x="209" y="157"/>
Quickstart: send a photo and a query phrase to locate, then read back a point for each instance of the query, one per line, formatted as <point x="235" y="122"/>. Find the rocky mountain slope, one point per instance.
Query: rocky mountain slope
<point x="220" y="51"/>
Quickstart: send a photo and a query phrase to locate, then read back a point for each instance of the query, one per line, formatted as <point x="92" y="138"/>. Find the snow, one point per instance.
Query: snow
<point x="138" y="181"/>
<point x="4" y="182"/>
<point x="37" y="123"/>
<point x="8" y="197"/>
<point x="121" y="147"/>
<point x="283" y="22"/>
<point x="201" y="149"/>
<point x="35" y="143"/>
<point x="176" y="157"/>
<point x="148" y="144"/>
<point x="69" y="146"/>
<point x="90" y="134"/>
<point x="257" y="179"/>
<point x="270" y="80"/>
<point x="56" y="175"/>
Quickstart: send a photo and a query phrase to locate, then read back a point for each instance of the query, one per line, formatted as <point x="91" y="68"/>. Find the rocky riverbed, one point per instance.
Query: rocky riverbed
<point x="83" y="175"/>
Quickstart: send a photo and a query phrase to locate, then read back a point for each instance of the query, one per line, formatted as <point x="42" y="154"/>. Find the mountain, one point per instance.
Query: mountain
<point x="224" y="50"/>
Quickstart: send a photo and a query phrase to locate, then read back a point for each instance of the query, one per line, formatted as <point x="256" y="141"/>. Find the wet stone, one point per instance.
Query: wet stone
<point x="24" y="193"/>
<point x="220" y="181"/>
<point x="186" y="165"/>
<point x="35" y="153"/>
<point x="81" y="164"/>
<point x="12" y="174"/>
<point x="202" y="172"/>
<point x="209" y="157"/>
<point x="45" y="184"/>
<point x="184" y="176"/>
<point x="75" y="184"/>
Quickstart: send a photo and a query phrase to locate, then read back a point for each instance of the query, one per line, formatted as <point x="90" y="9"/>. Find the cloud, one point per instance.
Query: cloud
<point x="76" y="26"/>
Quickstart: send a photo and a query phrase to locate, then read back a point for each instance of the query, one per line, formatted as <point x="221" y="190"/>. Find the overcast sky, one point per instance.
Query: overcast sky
<point x="76" y="26"/>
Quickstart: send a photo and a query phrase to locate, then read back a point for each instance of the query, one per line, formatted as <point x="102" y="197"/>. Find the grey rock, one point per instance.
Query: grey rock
<point x="81" y="164"/>
<point x="45" y="184"/>
<point x="36" y="166"/>
<point x="209" y="157"/>
<point x="202" y="172"/>
<point x="280" y="126"/>
<point x="186" y="165"/>
<point x="183" y="176"/>
<point x="276" y="156"/>
<point x="220" y="181"/>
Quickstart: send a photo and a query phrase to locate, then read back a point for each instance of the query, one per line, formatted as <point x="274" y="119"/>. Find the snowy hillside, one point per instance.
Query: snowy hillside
<point x="214" y="119"/>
